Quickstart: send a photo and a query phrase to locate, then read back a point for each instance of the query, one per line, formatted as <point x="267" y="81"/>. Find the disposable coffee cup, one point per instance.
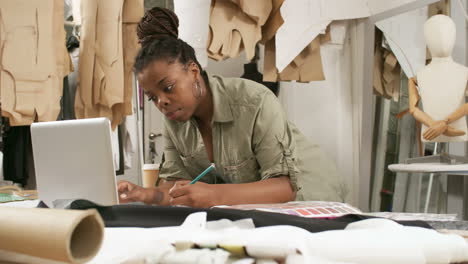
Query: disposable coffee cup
<point x="150" y="174"/>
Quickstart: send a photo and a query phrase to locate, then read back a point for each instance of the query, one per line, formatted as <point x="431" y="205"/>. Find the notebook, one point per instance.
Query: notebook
<point x="73" y="160"/>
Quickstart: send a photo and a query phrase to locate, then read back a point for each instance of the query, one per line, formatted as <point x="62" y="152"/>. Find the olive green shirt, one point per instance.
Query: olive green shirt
<point x="252" y="141"/>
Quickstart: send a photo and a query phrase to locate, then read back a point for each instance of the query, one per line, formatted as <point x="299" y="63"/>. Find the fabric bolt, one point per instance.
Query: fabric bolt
<point x="17" y="154"/>
<point x="231" y="31"/>
<point x="136" y="215"/>
<point x="252" y="141"/>
<point x="33" y="60"/>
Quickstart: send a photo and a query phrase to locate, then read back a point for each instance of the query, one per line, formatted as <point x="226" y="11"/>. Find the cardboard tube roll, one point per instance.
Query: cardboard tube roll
<point x="72" y="236"/>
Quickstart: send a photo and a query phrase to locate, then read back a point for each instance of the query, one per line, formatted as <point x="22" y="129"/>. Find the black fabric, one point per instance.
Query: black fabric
<point x="251" y="73"/>
<point x="70" y="83"/>
<point x="67" y="103"/>
<point x="72" y="42"/>
<point x="17" y="154"/>
<point x="132" y="215"/>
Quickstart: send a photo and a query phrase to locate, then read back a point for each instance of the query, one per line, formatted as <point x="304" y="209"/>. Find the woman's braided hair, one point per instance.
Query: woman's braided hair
<point x="158" y="32"/>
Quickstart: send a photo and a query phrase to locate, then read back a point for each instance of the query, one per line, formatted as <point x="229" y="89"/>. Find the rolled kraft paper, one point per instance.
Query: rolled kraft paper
<point x="72" y="236"/>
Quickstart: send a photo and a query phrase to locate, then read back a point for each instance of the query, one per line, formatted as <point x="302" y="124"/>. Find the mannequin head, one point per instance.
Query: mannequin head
<point x="440" y="32"/>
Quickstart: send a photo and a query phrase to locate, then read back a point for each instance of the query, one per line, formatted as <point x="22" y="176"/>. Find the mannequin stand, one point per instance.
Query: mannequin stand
<point x="443" y="158"/>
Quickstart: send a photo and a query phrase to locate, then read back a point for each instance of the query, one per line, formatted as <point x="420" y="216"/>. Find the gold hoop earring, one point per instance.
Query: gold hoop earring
<point x="197" y="91"/>
<point x="200" y="91"/>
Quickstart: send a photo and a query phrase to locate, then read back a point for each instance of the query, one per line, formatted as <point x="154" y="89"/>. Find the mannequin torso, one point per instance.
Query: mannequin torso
<point x="442" y="87"/>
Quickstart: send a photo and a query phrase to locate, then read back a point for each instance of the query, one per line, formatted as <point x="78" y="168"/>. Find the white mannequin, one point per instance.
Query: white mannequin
<point x="442" y="85"/>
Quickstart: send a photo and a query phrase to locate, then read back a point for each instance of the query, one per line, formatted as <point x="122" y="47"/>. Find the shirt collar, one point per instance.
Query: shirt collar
<point x="221" y="104"/>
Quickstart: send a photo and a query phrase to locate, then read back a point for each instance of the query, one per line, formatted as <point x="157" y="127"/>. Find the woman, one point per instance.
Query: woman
<point x="234" y="123"/>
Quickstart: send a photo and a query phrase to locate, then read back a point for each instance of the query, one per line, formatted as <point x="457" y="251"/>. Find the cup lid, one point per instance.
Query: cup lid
<point x="151" y="166"/>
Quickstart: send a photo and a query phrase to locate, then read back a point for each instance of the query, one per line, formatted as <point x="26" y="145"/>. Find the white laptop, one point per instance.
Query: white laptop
<point x="73" y="160"/>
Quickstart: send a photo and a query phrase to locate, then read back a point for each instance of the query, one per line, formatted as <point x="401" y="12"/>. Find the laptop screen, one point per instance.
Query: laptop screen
<point x="73" y="160"/>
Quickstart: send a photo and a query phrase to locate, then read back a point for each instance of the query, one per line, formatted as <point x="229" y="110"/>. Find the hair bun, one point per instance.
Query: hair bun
<point x="157" y="23"/>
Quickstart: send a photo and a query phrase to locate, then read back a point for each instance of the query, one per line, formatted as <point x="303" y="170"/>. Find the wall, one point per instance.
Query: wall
<point x="322" y="110"/>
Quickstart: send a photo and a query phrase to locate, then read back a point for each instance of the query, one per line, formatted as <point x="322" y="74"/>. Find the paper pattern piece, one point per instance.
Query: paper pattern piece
<point x="106" y="58"/>
<point x="387" y="71"/>
<point x="71" y="236"/>
<point x="231" y="31"/>
<point x="133" y="11"/>
<point x="304" y="20"/>
<point x="34" y="60"/>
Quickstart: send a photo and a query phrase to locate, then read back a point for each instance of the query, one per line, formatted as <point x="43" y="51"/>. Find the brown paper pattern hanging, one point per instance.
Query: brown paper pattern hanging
<point x="258" y="10"/>
<point x="33" y="60"/>
<point x="231" y="31"/>
<point x="273" y="23"/>
<point x="386" y="71"/>
<point x="306" y="67"/>
<point x="108" y="47"/>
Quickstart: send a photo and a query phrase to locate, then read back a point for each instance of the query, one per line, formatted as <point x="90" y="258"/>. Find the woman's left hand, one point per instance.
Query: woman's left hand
<point x="436" y="129"/>
<point x="195" y="195"/>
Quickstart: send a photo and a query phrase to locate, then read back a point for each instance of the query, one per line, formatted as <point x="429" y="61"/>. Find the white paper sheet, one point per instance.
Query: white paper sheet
<point x="306" y="19"/>
<point x="405" y="37"/>
<point x="76" y="11"/>
<point x="22" y="204"/>
<point x="379" y="7"/>
<point x="194" y="18"/>
<point x="387" y="242"/>
<point x="344" y="9"/>
<point x="115" y="148"/>
<point x="368" y="241"/>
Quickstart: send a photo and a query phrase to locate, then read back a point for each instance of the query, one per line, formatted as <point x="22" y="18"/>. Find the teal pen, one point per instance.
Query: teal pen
<point x="211" y="167"/>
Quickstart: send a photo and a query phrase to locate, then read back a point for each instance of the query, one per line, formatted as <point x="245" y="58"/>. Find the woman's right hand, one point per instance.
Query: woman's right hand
<point x="129" y="192"/>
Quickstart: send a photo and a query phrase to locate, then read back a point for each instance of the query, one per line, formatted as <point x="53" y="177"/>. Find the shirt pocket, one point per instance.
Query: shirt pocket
<point x="195" y="163"/>
<point x="242" y="172"/>
<point x="188" y="160"/>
